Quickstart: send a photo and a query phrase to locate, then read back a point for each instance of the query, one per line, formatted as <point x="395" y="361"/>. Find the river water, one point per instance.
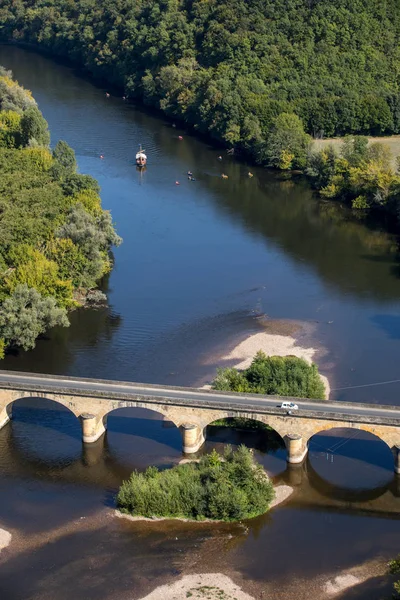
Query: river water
<point x="199" y="261"/>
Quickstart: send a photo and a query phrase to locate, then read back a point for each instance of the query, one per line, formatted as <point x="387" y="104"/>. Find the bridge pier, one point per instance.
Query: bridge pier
<point x="296" y="449"/>
<point x="92" y="427"/>
<point x="396" y="456"/>
<point x="192" y="438"/>
<point x="5" y="416"/>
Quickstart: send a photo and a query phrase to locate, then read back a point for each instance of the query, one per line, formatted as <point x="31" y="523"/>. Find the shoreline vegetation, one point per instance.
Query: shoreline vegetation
<point x="231" y="71"/>
<point x="229" y="488"/>
<point x="55" y="237"/>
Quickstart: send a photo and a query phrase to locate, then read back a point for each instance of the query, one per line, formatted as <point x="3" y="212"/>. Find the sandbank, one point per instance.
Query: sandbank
<point x="5" y="539"/>
<point x="282" y="493"/>
<point x="208" y="586"/>
<point x="154" y="519"/>
<point x="284" y="343"/>
<point x="340" y="583"/>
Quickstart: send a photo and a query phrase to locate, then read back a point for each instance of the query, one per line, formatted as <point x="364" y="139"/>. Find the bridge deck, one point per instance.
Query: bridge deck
<point x="39" y="384"/>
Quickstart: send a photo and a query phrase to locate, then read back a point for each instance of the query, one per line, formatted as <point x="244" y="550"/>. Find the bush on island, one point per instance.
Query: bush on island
<point x="273" y="375"/>
<point x="228" y="488"/>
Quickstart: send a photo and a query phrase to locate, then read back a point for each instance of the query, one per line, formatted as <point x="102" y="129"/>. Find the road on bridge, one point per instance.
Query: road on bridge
<point x="200" y="398"/>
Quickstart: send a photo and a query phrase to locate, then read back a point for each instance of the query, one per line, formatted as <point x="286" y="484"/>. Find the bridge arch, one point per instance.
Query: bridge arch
<point x="43" y="432"/>
<point x="350" y="461"/>
<point x="250" y="425"/>
<point x="387" y="435"/>
<point x="7" y="405"/>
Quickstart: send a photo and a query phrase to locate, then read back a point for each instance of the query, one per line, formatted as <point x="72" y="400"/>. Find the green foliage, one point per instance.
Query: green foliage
<point x="34" y="127"/>
<point x="394" y="569"/>
<point x="26" y="314"/>
<point x="226" y="489"/>
<point x="54" y="235"/>
<point x="274" y="375"/>
<point x="288" y="145"/>
<point x="65" y="156"/>
<point x="242" y="423"/>
<point x="10" y="129"/>
<point x="231" y="67"/>
<point x="394" y="565"/>
<point x="362" y="175"/>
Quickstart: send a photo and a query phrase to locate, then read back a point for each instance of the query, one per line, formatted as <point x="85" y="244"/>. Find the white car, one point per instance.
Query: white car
<point x="289" y="406"/>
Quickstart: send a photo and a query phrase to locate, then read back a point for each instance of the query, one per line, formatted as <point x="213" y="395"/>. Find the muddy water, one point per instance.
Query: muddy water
<point x="198" y="262"/>
<point x="57" y="499"/>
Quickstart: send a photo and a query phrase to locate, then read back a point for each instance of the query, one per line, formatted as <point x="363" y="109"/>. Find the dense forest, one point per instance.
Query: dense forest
<point x="54" y="236"/>
<point x="231" y="67"/>
<point x="262" y="76"/>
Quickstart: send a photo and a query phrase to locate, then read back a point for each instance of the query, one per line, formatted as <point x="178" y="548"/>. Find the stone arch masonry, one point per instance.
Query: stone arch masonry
<point x="296" y="430"/>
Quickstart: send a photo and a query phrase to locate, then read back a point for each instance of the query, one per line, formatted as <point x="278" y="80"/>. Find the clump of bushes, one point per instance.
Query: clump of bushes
<point x="273" y="375"/>
<point x="394" y="569"/>
<point x="226" y="488"/>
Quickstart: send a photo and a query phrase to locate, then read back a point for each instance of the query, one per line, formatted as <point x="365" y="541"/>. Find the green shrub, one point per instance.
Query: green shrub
<point x="273" y="375"/>
<point x="226" y="489"/>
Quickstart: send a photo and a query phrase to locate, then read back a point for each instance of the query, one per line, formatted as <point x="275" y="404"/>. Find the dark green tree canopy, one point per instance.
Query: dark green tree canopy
<point x="34" y="127"/>
<point x="231" y="67"/>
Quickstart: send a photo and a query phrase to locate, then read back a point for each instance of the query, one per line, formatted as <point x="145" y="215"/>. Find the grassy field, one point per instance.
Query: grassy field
<point x="393" y="141"/>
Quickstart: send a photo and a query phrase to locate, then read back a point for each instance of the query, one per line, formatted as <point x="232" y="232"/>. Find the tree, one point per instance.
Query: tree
<point x="288" y="145"/>
<point x="34" y="127"/>
<point x="65" y="156"/>
<point x="26" y="314"/>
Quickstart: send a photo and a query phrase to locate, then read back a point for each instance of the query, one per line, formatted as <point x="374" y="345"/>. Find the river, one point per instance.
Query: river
<point x="200" y="261"/>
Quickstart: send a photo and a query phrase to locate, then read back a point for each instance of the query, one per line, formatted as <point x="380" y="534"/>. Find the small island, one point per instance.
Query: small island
<point x="275" y="376"/>
<point x="221" y="488"/>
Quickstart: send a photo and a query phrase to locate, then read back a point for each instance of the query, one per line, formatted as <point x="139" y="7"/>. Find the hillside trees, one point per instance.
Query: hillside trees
<point x="231" y="67"/>
<point x="55" y="238"/>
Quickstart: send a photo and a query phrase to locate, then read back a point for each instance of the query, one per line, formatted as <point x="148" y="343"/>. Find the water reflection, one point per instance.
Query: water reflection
<point x="43" y="442"/>
<point x="53" y="487"/>
<point x="350" y="459"/>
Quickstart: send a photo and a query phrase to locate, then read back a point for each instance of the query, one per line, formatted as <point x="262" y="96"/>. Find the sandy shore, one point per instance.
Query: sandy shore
<point x="210" y="586"/>
<point x="5" y="539"/>
<point x="275" y="344"/>
<point x="122" y="515"/>
<point x="282" y="493"/>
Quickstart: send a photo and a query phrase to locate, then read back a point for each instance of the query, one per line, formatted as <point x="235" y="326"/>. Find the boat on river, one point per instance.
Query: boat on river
<point x="141" y="158"/>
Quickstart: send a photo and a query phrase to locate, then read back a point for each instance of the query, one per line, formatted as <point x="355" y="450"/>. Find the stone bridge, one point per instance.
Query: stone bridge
<point x="191" y="410"/>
